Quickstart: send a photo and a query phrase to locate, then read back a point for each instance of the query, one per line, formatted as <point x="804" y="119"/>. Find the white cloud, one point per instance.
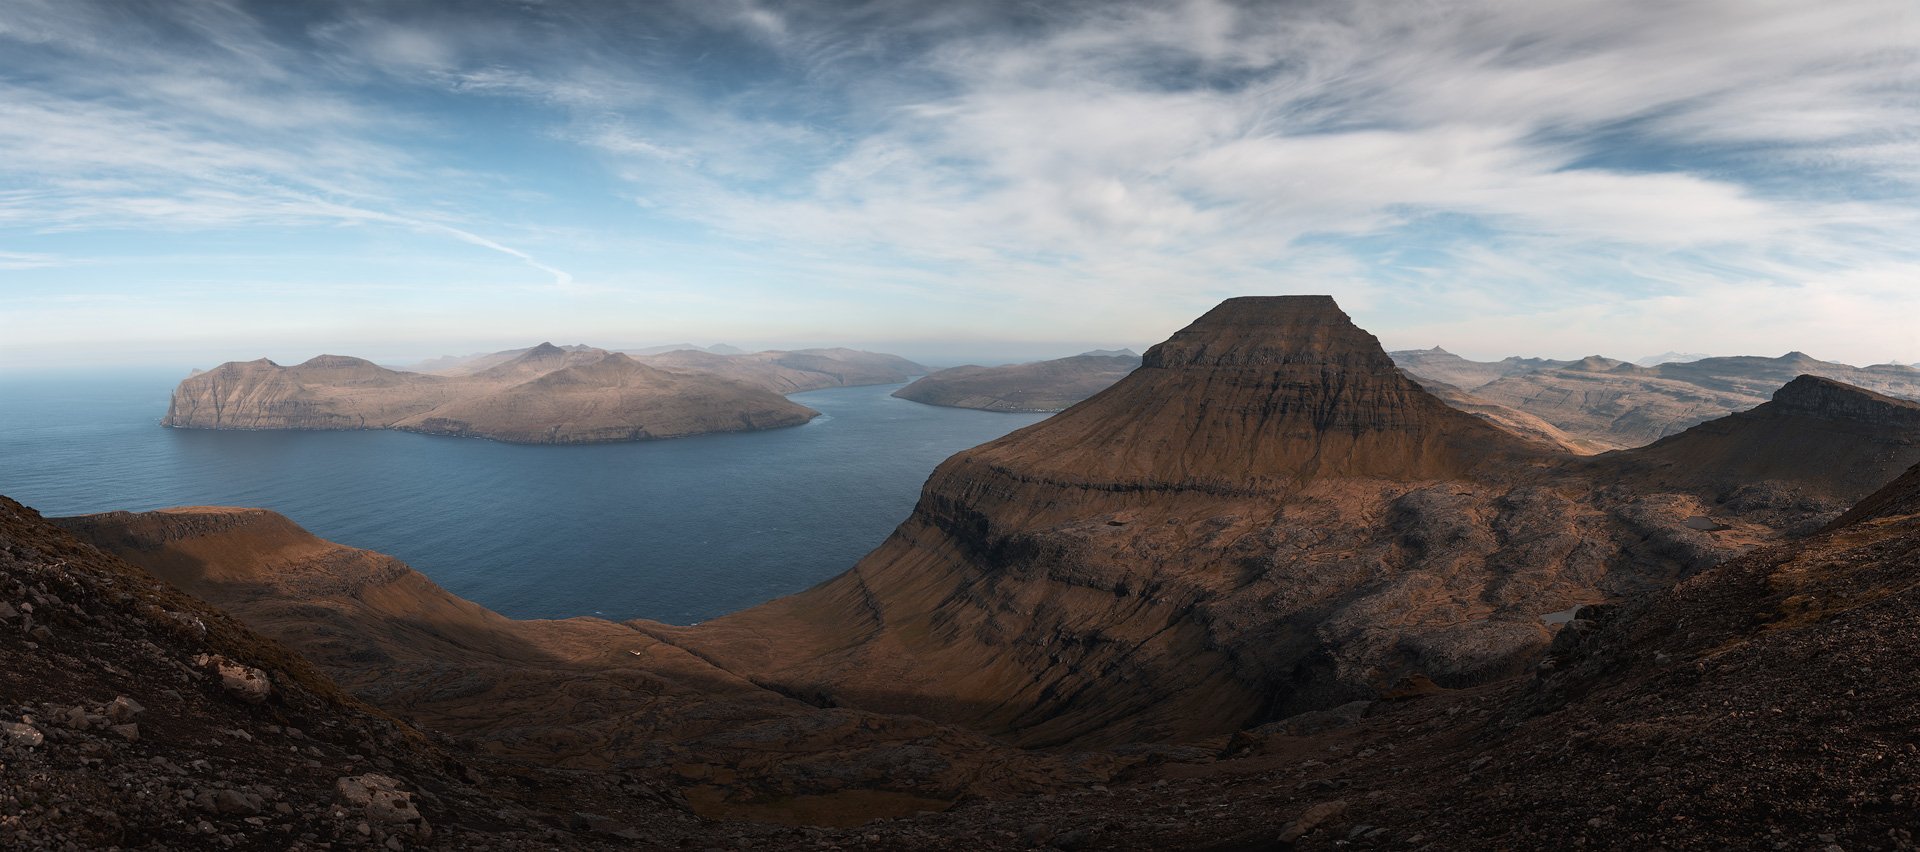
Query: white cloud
<point x="1468" y="164"/>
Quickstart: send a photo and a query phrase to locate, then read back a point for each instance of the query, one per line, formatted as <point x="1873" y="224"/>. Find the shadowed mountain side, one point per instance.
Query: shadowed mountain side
<point x="1763" y="704"/>
<point x="581" y="693"/>
<point x="1038" y="386"/>
<point x="542" y="395"/>
<point x="1267" y="517"/>
<point x="1834" y="442"/>
<point x="135" y="716"/>
<point x="1899" y="497"/>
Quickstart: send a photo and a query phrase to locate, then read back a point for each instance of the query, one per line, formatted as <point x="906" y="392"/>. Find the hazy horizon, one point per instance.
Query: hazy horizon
<point x="196" y="182"/>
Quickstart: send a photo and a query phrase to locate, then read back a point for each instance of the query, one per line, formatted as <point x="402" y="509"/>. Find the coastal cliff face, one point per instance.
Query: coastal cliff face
<point x="1267" y="517"/>
<point x="1040" y="386"/>
<point x="544" y="395"/>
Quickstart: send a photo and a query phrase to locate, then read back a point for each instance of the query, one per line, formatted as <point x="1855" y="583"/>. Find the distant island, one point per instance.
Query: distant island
<point x="544" y="394"/>
<point x="1038" y="386"/>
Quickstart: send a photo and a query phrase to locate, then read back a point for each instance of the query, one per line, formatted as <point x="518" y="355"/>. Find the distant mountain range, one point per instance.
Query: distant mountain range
<point x="1611" y="404"/>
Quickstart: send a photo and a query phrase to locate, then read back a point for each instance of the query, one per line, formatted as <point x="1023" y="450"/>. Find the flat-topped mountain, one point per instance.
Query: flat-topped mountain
<point x="1614" y="404"/>
<point x="1266" y="517"/>
<point x="542" y="395"/>
<point x="1038" y="386"/>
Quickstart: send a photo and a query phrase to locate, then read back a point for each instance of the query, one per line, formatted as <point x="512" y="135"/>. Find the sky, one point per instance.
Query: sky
<point x="194" y="182"/>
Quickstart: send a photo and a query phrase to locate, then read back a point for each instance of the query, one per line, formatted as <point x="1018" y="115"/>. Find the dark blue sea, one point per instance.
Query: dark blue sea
<point x="678" y="531"/>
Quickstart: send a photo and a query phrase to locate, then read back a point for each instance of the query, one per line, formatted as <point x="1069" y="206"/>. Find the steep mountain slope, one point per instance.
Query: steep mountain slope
<point x="1766" y="703"/>
<point x="1038" y="386"/>
<point x="1266" y="517"/>
<point x="545" y="394"/>
<point x="582" y="694"/>
<point x="1811" y="434"/>
<point x="134" y="716"/>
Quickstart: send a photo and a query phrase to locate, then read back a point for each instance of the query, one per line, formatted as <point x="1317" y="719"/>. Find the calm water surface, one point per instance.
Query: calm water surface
<point x="678" y="531"/>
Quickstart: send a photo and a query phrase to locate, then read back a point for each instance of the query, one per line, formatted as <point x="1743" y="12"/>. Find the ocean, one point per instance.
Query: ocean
<point x="677" y="531"/>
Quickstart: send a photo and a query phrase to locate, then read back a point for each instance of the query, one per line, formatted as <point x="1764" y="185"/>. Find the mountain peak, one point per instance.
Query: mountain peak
<point x="1829" y="398"/>
<point x="1258" y="394"/>
<point x="1273" y="330"/>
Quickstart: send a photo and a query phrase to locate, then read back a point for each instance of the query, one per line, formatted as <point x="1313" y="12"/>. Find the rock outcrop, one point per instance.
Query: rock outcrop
<point x="542" y="395"/>
<point x="1038" y="386"/>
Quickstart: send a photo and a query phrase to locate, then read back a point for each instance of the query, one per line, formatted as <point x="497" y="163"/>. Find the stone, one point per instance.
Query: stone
<point x="122" y="709"/>
<point x="240" y="681"/>
<point x="129" y="732"/>
<point x="381" y="800"/>
<point x="21" y="735"/>
<point x="1311" y="819"/>
<point x="236" y="802"/>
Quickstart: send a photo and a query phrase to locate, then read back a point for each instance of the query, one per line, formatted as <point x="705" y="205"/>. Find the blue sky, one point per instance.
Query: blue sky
<point x="200" y="181"/>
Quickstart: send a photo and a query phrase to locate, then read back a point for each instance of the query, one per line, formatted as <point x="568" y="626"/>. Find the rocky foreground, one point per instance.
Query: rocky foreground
<point x="1266" y="592"/>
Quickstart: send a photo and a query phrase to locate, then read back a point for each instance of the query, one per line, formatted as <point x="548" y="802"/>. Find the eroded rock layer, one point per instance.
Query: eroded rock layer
<point x="1266" y="517"/>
